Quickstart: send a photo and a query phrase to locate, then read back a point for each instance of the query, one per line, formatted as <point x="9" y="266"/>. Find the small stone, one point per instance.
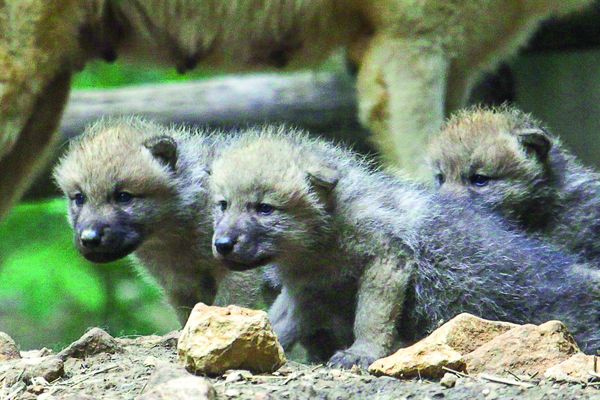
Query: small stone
<point x="38" y="380"/>
<point x="164" y="373"/>
<point x="8" y="348"/>
<point x="423" y="359"/>
<point x="448" y="380"/>
<point x="533" y="349"/>
<point x="335" y="373"/>
<point x="216" y="339"/>
<point x="94" y="341"/>
<point x="262" y="396"/>
<point x="356" y="370"/>
<point x="485" y="391"/>
<point x="36" y="389"/>
<point x="38" y="385"/>
<point x="25" y="369"/>
<point x="170" y="339"/>
<point x="151" y="361"/>
<point x="50" y="368"/>
<point x="237" y="375"/>
<point x="575" y="369"/>
<point x="188" y="387"/>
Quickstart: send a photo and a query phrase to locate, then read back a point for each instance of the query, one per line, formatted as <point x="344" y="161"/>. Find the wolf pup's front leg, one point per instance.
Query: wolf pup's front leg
<point x="380" y="297"/>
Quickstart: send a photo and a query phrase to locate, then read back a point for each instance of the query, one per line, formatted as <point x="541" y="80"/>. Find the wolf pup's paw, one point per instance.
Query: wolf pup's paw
<point x="350" y="357"/>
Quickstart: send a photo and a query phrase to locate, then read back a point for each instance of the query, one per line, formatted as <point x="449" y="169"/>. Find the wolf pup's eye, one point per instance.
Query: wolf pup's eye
<point x="440" y="179"/>
<point x="479" y="180"/>
<point x="222" y="205"/>
<point x="123" y="197"/>
<point x="264" y="209"/>
<point x="79" y="199"/>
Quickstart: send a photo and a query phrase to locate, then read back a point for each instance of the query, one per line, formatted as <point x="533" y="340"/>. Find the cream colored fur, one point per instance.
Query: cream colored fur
<point x="417" y="59"/>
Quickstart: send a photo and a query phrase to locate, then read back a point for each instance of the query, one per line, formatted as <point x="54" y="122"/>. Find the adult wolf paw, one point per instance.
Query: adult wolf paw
<point x="349" y="357"/>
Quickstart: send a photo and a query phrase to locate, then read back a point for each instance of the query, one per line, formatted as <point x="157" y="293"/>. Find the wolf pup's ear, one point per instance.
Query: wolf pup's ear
<point x="535" y="141"/>
<point x="164" y="149"/>
<point x="323" y="180"/>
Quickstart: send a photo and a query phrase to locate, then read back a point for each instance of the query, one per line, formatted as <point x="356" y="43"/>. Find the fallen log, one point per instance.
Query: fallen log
<point x="323" y="103"/>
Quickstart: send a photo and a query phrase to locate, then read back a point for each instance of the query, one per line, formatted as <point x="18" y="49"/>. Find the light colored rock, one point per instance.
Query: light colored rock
<point x="237" y="375"/>
<point x="165" y="372"/>
<point x="443" y="348"/>
<point x="25" y="369"/>
<point x="465" y="332"/>
<point x="188" y="387"/>
<point x="526" y="349"/>
<point x="169" y="381"/>
<point x="152" y="361"/>
<point x="423" y="359"/>
<point x="94" y="341"/>
<point x="216" y="339"/>
<point x="8" y="348"/>
<point x="448" y="380"/>
<point x="574" y="369"/>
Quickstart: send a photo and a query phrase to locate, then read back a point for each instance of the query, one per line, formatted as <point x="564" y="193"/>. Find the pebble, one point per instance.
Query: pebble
<point x="448" y="380"/>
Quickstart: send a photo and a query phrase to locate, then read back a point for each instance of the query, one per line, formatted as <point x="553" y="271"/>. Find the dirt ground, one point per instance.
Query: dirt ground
<point x="138" y="365"/>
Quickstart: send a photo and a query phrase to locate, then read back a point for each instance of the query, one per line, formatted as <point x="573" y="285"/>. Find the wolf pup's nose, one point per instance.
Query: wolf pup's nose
<point x="90" y="238"/>
<point x="224" y="245"/>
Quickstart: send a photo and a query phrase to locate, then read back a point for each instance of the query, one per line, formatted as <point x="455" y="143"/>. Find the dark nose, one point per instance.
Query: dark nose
<point x="91" y="237"/>
<point x="224" y="245"/>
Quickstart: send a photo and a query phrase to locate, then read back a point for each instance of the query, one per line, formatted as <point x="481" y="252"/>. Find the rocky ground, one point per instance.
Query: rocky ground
<point x="100" y="367"/>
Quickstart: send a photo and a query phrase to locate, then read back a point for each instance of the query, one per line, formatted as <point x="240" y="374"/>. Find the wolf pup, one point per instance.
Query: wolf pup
<point x="137" y="187"/>
<point x="368" y="262"/>
<point x="510" y="162"/>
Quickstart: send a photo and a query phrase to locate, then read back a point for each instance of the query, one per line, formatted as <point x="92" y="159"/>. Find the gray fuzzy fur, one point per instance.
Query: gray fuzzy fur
<point x="387" y="260"/>
<point x="552" y="195"/>
<point x="564" y="203"/>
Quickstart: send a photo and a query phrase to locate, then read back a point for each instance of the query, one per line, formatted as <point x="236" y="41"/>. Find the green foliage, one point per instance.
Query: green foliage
<point x="103" y="75"/>
<point x="49" y="294"/>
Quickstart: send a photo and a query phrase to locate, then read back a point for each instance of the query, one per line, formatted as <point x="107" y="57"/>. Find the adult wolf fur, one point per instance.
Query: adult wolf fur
<point x="416" y="59"/>
<point x="368" y="262"/>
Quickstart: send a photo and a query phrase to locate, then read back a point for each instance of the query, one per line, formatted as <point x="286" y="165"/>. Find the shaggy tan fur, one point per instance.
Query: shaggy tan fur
<point x="417" y="59"/>
<point x="483" y="141"/>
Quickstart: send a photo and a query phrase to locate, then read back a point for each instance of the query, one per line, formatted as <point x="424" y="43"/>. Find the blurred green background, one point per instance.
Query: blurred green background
<point x="49" y="294"/>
